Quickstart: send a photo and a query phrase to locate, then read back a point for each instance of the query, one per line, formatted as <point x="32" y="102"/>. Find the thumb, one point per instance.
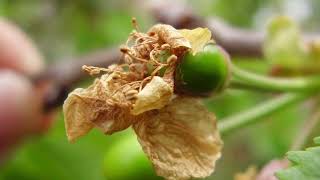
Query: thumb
<point x="19" y="109"/>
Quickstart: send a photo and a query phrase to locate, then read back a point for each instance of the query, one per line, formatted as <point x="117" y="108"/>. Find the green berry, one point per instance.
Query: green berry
<point x="203" y="74"/>
<point x="126" y="160"/>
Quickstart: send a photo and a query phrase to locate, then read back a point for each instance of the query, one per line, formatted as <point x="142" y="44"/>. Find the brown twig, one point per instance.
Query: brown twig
<point x="65" y="74"/>
<point x="69" y="71"/>
<point x="236" y="41"/>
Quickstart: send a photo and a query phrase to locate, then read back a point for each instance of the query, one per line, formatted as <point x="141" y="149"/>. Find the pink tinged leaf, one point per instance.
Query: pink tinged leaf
<point x="269" y="170"/>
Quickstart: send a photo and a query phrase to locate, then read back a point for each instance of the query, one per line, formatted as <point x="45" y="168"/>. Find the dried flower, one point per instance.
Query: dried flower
<point x="178" y="134"/>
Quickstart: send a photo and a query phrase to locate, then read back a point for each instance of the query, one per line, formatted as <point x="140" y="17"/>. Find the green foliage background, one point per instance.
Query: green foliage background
<point x="306" y="164"/>
<point x="68" y="28"/>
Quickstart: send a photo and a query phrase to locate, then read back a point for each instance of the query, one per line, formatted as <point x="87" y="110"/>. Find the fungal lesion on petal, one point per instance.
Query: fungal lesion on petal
<point x="181" y="139"/>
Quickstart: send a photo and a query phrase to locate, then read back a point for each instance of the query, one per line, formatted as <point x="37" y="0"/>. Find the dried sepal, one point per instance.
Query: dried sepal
<point x="155" y="95"/>
<point x="198" y="38"/>
<point x="181" y="139"/>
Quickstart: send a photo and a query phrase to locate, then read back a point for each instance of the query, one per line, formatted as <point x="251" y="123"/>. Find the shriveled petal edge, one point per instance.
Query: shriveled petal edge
<point x="161" y="133"/>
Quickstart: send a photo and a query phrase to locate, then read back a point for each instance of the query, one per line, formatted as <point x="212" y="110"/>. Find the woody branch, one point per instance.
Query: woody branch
<point x="237" y="42"/>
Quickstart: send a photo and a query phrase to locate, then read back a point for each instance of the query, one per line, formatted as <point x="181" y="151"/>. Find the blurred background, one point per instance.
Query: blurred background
<point x="64" y="28"/>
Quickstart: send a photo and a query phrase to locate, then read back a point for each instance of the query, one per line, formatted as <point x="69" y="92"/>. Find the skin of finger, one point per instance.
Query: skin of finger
<point x="17" y="51"/>
<point x="20" y="109"/>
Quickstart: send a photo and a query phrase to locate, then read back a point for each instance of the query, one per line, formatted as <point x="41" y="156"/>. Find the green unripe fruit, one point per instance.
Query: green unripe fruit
<point x="126" y="160"/>
<point x="204" y="73"/>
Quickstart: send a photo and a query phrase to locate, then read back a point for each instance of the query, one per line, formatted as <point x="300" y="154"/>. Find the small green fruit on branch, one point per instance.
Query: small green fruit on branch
<point x="204" y="73"/>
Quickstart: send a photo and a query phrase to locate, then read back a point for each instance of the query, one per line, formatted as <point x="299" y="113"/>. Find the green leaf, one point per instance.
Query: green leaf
<point x="306" y="164"/>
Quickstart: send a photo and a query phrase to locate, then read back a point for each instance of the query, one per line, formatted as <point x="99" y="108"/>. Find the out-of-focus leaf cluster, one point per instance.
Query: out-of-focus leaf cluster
<point x="306" y="164"/>
<point x="66" y="28"/>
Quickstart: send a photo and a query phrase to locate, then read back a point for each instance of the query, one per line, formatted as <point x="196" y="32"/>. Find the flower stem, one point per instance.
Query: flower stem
<point x="242" y="78"/>
<point x="306" y="129"/>
<point x="254" y="114"/>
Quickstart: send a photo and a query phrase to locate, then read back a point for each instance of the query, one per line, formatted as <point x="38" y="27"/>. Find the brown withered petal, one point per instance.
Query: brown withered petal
<point x="76" y="116"/>
<point x="155" y="95"/>
<point x="171" y="36"/>
<point x="94" y="106"/>
<point x="181" y="139"/>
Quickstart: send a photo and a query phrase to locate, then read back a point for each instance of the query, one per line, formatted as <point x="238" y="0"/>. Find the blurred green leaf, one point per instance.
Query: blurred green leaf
<point x="240" y="13"/>
<point x="306" y="164"/>
<point x="52" y="157"/>
<point x="126" y="160"/>
<point x="283" y="46"/>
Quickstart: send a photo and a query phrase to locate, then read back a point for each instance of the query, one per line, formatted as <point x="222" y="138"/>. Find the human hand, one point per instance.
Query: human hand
<point x="20" y="100"/>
